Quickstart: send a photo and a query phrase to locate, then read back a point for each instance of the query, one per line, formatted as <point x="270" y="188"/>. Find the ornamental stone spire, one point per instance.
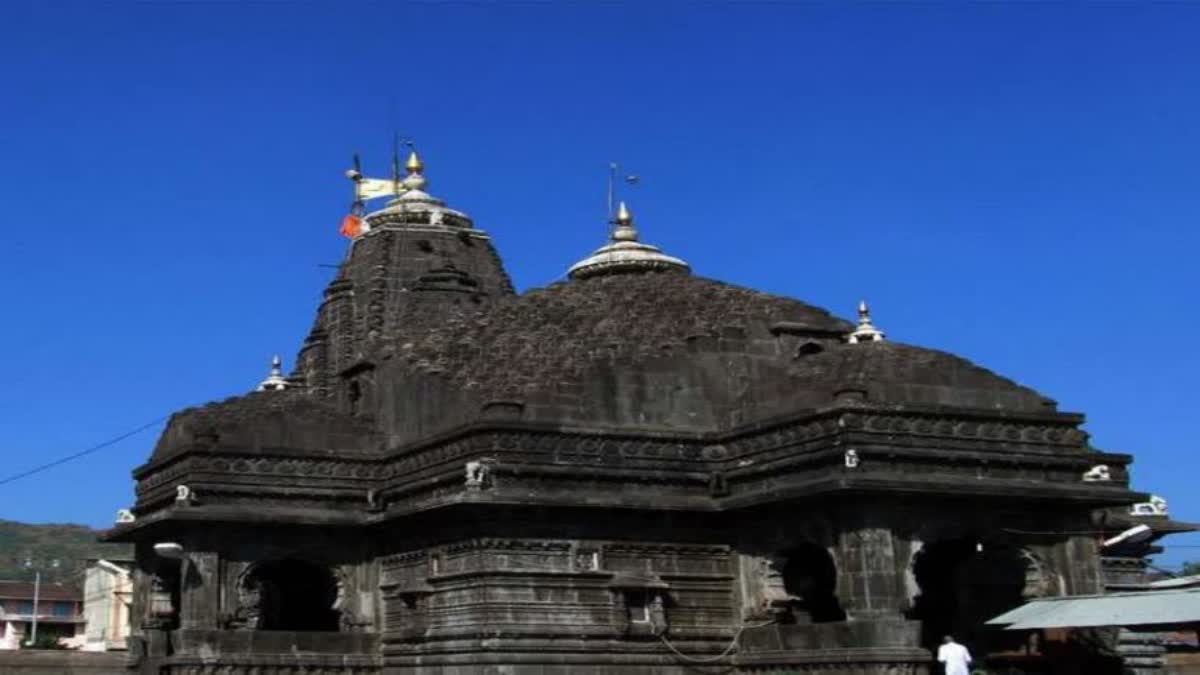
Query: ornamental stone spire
<point x="625" y="253"/>
<point x="866" y="331"/>
<point x="410" y="263"/>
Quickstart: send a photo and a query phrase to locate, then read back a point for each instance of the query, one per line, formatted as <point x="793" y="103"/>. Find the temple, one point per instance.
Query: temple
<point x="638" y="470"/>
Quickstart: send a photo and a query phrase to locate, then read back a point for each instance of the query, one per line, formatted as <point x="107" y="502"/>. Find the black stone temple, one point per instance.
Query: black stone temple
<point x="639" y="470"/>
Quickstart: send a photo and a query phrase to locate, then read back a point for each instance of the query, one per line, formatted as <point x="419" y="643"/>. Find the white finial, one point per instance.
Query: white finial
<point x="275" y="381"/>
<point x="866" y="331"/>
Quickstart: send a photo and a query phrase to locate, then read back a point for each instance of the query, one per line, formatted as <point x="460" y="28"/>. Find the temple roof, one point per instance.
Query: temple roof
<point x="729" y="354"/>
<point x="290" y="420"/>
<point x="423" y="305"/>
<point x="892" y="372"/>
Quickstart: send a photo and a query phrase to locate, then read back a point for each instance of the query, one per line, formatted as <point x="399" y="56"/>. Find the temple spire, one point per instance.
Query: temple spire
<point x="275" y="381"/>
<point x="865" y="331"/>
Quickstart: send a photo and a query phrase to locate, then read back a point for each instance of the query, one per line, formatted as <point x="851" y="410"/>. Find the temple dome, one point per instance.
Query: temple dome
<point x="674" y="351"/>
<point x="900" y="374"/>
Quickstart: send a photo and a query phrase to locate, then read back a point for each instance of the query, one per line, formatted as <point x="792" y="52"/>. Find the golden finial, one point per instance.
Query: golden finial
<point x="624" y="217"/>
<point x="414" y="165"/>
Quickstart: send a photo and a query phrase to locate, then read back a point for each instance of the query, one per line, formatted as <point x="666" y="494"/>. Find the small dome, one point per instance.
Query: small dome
<point x="626" y="254"/>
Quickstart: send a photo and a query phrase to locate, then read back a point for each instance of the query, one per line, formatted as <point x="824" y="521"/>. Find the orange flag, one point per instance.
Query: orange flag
<point x="352" y="226"/>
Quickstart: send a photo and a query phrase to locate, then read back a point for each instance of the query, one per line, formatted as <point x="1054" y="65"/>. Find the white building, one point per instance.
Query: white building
<point x="107" y="594"/>
<point x="58" y="611"/>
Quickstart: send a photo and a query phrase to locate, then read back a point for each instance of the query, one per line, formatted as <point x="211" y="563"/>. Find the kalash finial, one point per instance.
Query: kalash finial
<point x="275" y="381"/>
<point x="624" y="217"/>
<point x="625" y="230"/>
<point x="866" y="331"/>
<point x="415" y="180"/>
<point x="414" y="165"/>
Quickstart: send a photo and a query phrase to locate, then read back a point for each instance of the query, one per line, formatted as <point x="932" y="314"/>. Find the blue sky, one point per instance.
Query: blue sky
<point x="1016" y="183"/>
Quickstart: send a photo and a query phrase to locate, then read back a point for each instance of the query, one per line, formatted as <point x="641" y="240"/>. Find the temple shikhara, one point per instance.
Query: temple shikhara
<point x="638" y="470"/>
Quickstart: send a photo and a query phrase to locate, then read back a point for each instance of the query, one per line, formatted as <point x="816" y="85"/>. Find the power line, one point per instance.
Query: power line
<point x="83" y="453"/>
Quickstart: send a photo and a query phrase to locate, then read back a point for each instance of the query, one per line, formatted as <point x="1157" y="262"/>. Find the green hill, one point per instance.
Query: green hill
<point x="71" y="545"/>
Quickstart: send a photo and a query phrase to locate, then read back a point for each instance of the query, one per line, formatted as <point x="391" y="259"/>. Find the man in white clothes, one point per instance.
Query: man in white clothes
<point x="955" y="656"/>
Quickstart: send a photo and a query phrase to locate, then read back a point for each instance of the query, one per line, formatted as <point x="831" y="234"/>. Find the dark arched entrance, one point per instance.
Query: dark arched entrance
<point x="962" y="585"/>
<point x="810" y="574"/>
<point x="295" y="595"/>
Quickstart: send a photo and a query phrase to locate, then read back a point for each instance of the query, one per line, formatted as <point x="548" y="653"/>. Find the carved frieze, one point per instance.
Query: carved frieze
<point x="1011" y="448"/>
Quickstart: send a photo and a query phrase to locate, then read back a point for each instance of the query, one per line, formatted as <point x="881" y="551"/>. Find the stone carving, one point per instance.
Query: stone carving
<point x="587" y="559"/>
<point x="1157" y="506"/>
<point x="658" y="614"/>
<point x="184" y="495"/>
<point x="852" y="459"/>
<point x="161" y="610"/>
<point x="1098" y="474"/>
<point x="478" y="474"/>
<point x="249" y="602"/>
<point x="718" y="485"/>
<point x="772" y="599"/>
<point x="125" y="516"/>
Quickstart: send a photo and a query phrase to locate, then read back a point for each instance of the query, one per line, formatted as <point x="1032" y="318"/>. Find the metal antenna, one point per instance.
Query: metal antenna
<point x="396" y="162"/>
<point x="613" y="169"/>
<point x="612" y="179"/>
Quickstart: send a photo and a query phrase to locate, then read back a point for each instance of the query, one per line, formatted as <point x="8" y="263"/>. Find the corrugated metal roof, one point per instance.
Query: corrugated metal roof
<point x="1189" y="581"/>
<point x="1176" y="606"/>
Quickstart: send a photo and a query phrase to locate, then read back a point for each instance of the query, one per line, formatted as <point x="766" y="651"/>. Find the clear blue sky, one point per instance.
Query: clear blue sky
<point x="1016" y="183"/>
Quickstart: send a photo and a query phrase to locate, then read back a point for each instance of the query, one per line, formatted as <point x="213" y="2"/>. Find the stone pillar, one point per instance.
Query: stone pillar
<point x="200" y="591"/>
<point x="869" y="581"/>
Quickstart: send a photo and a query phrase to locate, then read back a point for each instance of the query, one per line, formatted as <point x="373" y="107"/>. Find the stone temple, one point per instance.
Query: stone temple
<point x="639" y="470"/>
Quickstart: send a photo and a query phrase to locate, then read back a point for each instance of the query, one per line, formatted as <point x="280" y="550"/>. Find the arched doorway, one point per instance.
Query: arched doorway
<point x="294" y="595"/>
<point x="810" y="574"/>
<point x="964" y="583"/>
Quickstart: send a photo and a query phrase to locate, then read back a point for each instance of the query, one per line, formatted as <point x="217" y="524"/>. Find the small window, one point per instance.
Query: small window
<point x="354" y="395"/>
<point x="64" y="609"/>
<point x="808" y="349"/>
<point x="424" y="246"/>
<point x="637" y="604"/>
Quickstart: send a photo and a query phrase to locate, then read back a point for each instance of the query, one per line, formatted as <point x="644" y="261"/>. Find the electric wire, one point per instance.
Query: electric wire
<point x="83" y="453"/>
<point x="733" y="644"/>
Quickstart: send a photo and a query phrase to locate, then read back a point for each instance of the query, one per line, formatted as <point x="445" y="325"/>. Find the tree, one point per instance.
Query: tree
<point x="1190" y="568"/>
<point x="45" y="640"/>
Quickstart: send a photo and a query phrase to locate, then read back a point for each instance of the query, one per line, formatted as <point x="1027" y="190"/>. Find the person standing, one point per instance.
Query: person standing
<point x="955" y="657"/>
